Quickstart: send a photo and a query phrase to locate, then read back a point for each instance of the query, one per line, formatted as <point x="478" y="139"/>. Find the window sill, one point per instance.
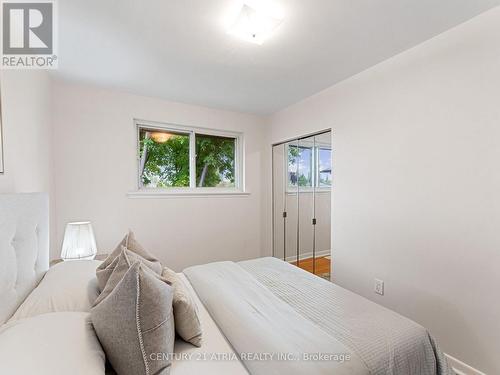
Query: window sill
<point x="310" y="191"/>
<point x="159" y="194"/>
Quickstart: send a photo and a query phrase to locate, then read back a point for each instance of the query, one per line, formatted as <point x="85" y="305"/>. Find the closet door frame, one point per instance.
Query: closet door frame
<point x="283" y="143"/>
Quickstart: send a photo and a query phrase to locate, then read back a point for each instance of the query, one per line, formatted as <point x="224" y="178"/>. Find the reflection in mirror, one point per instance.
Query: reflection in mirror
<point x="291" y="201"/>
<point x="300" y="165"/>
<point x="306" y="173"/>
<point x="322" y="205"/>
<point x="302" y="183"/>
<point x="324" y="160"/>
<point x="279" y="200"/>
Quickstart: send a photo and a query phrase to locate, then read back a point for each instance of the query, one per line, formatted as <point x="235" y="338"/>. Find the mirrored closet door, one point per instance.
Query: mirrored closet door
<point x="302" y="182"/>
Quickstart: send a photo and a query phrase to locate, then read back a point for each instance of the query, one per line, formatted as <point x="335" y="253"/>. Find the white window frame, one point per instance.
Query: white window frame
<point x="192" y="190"/>
<point x="321" y="146"/>
<point x="290" y="189"/>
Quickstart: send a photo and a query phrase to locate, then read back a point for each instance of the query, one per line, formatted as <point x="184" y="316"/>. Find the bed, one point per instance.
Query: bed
<point x="260" y="316"/>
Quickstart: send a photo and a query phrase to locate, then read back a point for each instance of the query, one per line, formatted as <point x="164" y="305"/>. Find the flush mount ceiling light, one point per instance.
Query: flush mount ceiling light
<point x="161" y="137"/>
<point x="255" y="22"/>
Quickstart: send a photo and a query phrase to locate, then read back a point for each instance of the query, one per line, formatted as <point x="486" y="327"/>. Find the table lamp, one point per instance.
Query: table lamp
<point x="79" y="242"/>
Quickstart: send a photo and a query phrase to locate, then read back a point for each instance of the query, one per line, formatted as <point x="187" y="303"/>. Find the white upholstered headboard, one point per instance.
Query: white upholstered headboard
<point x="24" y="247"/>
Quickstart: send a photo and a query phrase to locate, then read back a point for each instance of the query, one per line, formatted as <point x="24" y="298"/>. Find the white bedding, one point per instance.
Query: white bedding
<point x="214" y="343"/>
<point x="68" y="286"/>
<point x="40" y="333"/>
<point x="270" y="335"/>
<point x="52" y="318"/>
<point x="51" y="344"/>
<point x="387" y="342"/>
<point x="267" y="305"/>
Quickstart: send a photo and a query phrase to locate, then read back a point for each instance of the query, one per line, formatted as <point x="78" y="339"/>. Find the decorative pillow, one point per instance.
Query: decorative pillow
<point x="67" y="286"/>
<point x="49" y="344"/>
<point x="106" y="268"/>
<point x="102" y="275"/>
<point x="187" y="322"/>
<point x="135" y="324"/>
<point x="121" y="264"/>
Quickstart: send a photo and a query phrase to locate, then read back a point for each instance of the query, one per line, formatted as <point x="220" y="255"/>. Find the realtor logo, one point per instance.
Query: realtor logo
<point x="28" y="35"/>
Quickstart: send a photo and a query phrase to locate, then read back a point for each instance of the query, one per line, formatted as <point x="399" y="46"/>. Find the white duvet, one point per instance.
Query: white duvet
<point x="51" y="344"/>
<point x="266" y="305"/>
<point x="269" y="335"/>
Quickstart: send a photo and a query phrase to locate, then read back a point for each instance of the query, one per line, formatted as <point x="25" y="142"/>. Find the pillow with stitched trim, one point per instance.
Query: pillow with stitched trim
<point x="135" y="323"/>
<point x="103" y="272"/>
<point x="121" y="264"/>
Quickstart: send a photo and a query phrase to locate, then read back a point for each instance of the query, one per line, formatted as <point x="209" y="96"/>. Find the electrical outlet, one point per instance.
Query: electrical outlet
<point x="379" y="287"/>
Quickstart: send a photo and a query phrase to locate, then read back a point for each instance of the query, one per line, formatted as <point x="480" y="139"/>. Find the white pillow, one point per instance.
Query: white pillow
<point x="67" y="286"/>
<point x="50" y="344"/>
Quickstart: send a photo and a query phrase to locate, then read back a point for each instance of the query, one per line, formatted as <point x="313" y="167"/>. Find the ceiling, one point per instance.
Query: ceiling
<point x="179" y="49"/>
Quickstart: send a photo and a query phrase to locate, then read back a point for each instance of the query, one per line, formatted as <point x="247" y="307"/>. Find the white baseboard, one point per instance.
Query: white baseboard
<point x="462" y="368"/>
<point x="293" y="258"/>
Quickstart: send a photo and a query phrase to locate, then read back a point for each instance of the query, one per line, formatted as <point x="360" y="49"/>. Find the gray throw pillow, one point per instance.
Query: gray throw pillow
<point x="120" y="265"/>
<point x="135" y="324"/>
<point x="103" y="272"/>
<point x="187" y="322"/>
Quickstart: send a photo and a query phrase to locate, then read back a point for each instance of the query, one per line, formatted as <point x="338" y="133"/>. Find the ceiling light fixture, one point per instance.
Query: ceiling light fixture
<point x="255" y="21"/>
<point x="161" y="137"/>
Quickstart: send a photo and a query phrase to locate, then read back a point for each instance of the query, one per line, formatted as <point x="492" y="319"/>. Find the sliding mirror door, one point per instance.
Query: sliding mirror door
<point x="323" y="204"/>
<point x="291" y="201"/>
<point x="302" y="181"/>
<point x="279" y="201"/>
<point x="285" y="201"/>
<point x="305" y="186"/>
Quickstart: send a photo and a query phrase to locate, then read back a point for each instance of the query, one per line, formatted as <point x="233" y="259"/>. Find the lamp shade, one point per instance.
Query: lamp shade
<point x="79" y="242"/>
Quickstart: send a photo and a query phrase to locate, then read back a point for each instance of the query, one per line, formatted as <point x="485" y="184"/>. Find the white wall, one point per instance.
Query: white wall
<point x="95" y="167"/>
<point x="26" y="101"/>
<point x="26" y="131"/>
<point x="417" y="182"/>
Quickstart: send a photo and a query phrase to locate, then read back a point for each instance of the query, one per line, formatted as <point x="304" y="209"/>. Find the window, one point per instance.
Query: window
<point x="215" y="158"/>
<point x="324" y="167"/>
<point x="175" y="158"/>
<point x="308" y="165"/>
<point x="300" y="166"/>
<point x="164" y="158"/>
